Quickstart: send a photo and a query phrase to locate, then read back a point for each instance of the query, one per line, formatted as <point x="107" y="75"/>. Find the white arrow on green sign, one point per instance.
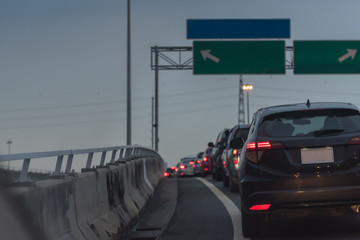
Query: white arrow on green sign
<point x="326" y="57"/>
<point x="239" y="57"/>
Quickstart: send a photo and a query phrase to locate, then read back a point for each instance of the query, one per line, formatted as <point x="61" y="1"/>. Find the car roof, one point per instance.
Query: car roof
<point x="241" y="126"/>
<point x="190" y="156"/>
<point x="306" y="106"/>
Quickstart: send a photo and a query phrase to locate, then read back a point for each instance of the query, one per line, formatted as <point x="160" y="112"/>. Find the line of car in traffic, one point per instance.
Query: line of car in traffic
<point x="192" y="165"/>
<point x="291" y="159"/>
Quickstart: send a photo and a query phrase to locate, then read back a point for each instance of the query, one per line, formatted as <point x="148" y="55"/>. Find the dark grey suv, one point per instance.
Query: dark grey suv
<point x="215" y="158"/>
<point x="299" y="158"/>
<point x="230" y="157"/>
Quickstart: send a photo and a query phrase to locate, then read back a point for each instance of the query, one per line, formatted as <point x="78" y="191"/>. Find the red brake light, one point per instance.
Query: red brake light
<point x="354" y="140"/>
<point x="206" y="169"/>
<point x="251" y="146"/>
<point x="198" y="161"/>
<point x="182" y="166"/>
<point x="205" y="159"/>
<point x="260" y="207"/>
<point x="236" y="161"/>
<point x="254" y="150"/>
<point x="172" y="168"/>
<point x="176" y="169"/>
<point x="191" y="162"/>
<point x="264" y="145"/>
<point x="166" y="174"/>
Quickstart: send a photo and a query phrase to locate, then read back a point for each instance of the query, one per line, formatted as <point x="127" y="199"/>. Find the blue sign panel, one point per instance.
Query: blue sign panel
<point x="237" y="28"/>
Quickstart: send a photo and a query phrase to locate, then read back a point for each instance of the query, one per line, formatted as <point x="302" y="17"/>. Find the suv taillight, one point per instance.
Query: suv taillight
<point x="254" y="150"/>
<point x="354" y="140"/>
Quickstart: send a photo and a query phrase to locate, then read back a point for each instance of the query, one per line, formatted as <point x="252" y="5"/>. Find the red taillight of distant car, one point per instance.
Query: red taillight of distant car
<point x="191" y="162"/>
<point x="166" y="174"/>
<point x="205" y="159"/>
<point x="206" y="169"/>
<point x="176" y="169"/>
<point x="182" y="167"/>
<point x="198" y="161"/>
<point x="260" y="207"/>
<point x="172" y="168"/>
<point x="236" y="161"/>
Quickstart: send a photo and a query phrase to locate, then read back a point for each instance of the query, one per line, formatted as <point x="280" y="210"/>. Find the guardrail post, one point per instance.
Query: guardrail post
<point x="121" y="155"/>
<point x="89" y="160"/>
<point x="69" y="163"/>
<point x="103" y="156"/>
<point x="58" y="164"/>
<point x="113" y="156"/>
<point x="24" y="172"/>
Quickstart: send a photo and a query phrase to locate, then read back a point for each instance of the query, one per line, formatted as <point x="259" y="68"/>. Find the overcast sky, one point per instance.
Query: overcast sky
<point x="63" y="71"/>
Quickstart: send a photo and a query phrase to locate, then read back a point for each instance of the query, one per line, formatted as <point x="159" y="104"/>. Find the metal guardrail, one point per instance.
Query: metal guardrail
<point x="124" y="152"/>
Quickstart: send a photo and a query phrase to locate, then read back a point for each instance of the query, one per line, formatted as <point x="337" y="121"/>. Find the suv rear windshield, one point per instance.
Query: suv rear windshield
<point x="242" y="133"/>
<point x="310" y="123"/>
<point x="209" y="150"/>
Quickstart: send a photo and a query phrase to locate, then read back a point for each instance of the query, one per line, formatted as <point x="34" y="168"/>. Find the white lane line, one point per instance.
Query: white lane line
<point x="232" y="209"/>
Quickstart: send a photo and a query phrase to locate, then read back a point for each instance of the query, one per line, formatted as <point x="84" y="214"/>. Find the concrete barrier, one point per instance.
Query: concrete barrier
<point x="101" y="203"/>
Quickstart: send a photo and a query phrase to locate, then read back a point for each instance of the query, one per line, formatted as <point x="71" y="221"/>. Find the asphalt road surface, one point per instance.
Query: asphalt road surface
<point x="207" y="210"/>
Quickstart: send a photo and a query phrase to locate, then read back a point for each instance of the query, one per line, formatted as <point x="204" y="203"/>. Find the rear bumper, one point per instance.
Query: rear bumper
<point x="315" y="197"/>
<point x="187" y="172"/>
<point x="207" y="166"/>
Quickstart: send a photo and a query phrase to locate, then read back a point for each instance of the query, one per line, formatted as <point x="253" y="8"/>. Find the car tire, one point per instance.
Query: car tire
<point x="248" y="225"/>
<point x="233" y="186"/>
<point x="225" y="180"/>
<point x="218" y="176"/>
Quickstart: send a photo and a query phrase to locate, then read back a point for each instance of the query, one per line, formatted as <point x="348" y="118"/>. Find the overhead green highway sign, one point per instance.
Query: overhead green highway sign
<point x="239" y="57"/>
<point x="326" y="57"/>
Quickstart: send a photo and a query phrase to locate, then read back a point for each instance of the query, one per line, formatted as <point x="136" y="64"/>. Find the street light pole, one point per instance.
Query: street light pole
<point x="9" y="150"/>
<point x="128" y="127"/>
<point x="247" y="88"/>
<point x="9" y="146"/>
<point x="248" y="111"/>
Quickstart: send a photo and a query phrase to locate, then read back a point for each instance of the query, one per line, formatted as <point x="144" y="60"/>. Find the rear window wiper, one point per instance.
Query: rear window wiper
<point x="327" y="131"/>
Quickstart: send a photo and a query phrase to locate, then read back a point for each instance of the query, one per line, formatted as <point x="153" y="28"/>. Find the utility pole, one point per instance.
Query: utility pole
<point x="128" y="124"/>
<point x="152" y="122"/>
<point x="156" y="125"/>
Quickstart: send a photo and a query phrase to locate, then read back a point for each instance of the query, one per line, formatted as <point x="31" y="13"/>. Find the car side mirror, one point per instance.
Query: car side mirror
<point x="237" y="143"/>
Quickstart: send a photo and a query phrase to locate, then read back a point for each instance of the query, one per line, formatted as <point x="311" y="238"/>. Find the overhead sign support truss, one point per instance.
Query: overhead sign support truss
<point x="180" y="58"/>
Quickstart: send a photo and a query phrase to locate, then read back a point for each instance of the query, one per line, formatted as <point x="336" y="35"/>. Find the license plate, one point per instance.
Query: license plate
<point x="317" y="155"/>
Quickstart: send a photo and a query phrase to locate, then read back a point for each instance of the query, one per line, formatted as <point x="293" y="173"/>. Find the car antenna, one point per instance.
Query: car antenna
<point x="308" y="103"/>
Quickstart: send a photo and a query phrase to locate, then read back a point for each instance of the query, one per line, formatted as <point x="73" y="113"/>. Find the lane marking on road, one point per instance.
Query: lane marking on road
<point x="232" y="209"/>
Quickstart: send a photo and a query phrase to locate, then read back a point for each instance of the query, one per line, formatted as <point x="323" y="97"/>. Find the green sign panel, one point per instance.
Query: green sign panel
<point x="326" y="57"/>
<point x="239" y="57"/>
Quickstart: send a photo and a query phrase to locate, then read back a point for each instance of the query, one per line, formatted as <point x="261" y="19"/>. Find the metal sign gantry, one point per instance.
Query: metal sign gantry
<point x="181" y="58"/>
